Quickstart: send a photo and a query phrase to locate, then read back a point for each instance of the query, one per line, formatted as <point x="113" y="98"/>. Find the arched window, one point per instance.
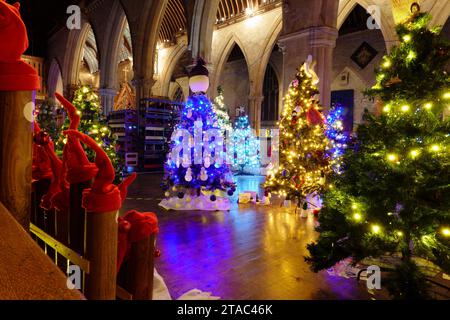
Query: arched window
<point x="270" y="105"/>
<point x="178" y="95"/>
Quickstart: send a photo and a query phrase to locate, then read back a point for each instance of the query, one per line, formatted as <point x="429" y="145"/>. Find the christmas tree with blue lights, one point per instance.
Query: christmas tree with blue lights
<point x="337" y="135"/>
<point x="246" y="147"/>
<point x="197" y="176"/>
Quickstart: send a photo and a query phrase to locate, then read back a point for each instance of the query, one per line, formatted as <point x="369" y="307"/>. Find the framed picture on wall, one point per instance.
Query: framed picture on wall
<point x="364" y="55"/>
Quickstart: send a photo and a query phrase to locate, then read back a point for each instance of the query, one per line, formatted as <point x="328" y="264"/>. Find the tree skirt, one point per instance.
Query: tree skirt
<point x="201" y="203"/>
<point x="161" y="292"/>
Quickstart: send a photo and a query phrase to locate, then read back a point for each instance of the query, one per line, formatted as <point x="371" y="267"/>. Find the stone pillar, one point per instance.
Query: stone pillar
<point x="317" y="41"/>
<point x="143" y="88"/>
<point x="323" y="44"/>
<point x="107" y="96"/>
<point x="254" y="104"/>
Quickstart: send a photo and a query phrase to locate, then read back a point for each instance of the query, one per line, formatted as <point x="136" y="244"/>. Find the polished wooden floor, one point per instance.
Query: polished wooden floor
<point x="250" y="252"/>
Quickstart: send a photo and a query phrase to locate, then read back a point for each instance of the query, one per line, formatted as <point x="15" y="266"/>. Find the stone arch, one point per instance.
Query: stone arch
<point x="144" y="22"/>
<point x="169" y="67"/>
<point x="267" y="52"/>
<point x="387" y="20"/>
<point x="72" y="61"/>
<point x="55" y="79"/>
<point x="111" y="46"/>
<point x="202" y="28"/>
<point x="220" y="63"/>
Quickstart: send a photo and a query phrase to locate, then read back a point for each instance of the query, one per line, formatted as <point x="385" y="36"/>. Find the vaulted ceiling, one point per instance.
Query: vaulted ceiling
<point x="231" y="9"/>
<point x="126" y="51"/>
<point x="90" y="52"/>
<point x="174" y="21"/>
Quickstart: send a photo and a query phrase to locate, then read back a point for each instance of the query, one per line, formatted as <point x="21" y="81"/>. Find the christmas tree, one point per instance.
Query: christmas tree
<point x="95" y="125"/>
<point x="337" y="135"/>
<point x="246" y="147"/>
<point x="46" y="118"/>
<point x="394" y="195"/>
<point x="221" y="111"/>
<point x="197" y="176"/>
<point x="303" y="159"/>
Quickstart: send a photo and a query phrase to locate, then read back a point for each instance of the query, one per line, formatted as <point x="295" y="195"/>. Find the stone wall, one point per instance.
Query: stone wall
<point x="358" y="79"/>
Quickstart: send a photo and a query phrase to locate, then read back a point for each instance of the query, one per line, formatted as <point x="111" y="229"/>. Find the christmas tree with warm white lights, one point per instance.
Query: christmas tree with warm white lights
<point x="221" y="111"/>
<point x="394" y="194"/>
<point x="304" y="163"/>
<point x="94" y="124"/>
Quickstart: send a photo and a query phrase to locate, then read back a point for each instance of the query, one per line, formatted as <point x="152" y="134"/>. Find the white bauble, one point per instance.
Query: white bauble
<point x="207" y="162"/>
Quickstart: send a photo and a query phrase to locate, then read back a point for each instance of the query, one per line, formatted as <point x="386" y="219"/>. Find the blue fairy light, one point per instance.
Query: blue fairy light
<point x="338" y="136"/>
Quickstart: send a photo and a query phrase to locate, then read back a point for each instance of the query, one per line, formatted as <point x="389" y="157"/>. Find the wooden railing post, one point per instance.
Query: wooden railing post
<point x="15" y="153"/>
<point x="141" y="269"/>
<point x="77" y="217"/>
<point x="38" y="214"/>
<point x="101" y="251"/>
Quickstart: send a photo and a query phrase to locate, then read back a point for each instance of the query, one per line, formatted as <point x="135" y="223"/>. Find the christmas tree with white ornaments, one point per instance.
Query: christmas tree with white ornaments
<point x="197" y="176"/>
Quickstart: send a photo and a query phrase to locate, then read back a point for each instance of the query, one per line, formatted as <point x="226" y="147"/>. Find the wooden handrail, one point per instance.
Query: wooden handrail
<point x="26" y="273"/>
<point x="66" y="252"/>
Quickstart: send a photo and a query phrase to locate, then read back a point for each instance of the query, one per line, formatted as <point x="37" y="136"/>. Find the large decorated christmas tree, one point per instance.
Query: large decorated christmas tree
<point x="303" y="160"/>
<point x="394" y="194"/>
<point x="197" y="176"/>
<point x="246" y="147"/>
<point x="94" y="124"/>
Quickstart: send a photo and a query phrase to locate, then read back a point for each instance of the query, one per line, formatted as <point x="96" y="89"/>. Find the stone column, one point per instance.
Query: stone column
<point x="323" y="43"/>
<point x="143" y="88"/>
<point x="107" y="96"/>
<point x="254" y="108"/>
<point x="317" y="41"/>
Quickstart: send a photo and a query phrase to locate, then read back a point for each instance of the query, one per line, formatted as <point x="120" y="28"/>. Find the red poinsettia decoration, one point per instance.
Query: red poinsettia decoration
<point x="314" y="117"/>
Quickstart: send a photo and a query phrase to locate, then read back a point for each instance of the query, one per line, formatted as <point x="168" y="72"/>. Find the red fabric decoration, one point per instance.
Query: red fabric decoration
<point x="123" y="245"/>
<point x="57" y="196"/>
<point x="103" y="196"/>
<point x="15" y="74"/>
<point x="41" y="167"/>
<point x="314" y="117"/>
<point x="134" y="227"/>
<point x="79" y="169"/>
<point x="123" y="187"/>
